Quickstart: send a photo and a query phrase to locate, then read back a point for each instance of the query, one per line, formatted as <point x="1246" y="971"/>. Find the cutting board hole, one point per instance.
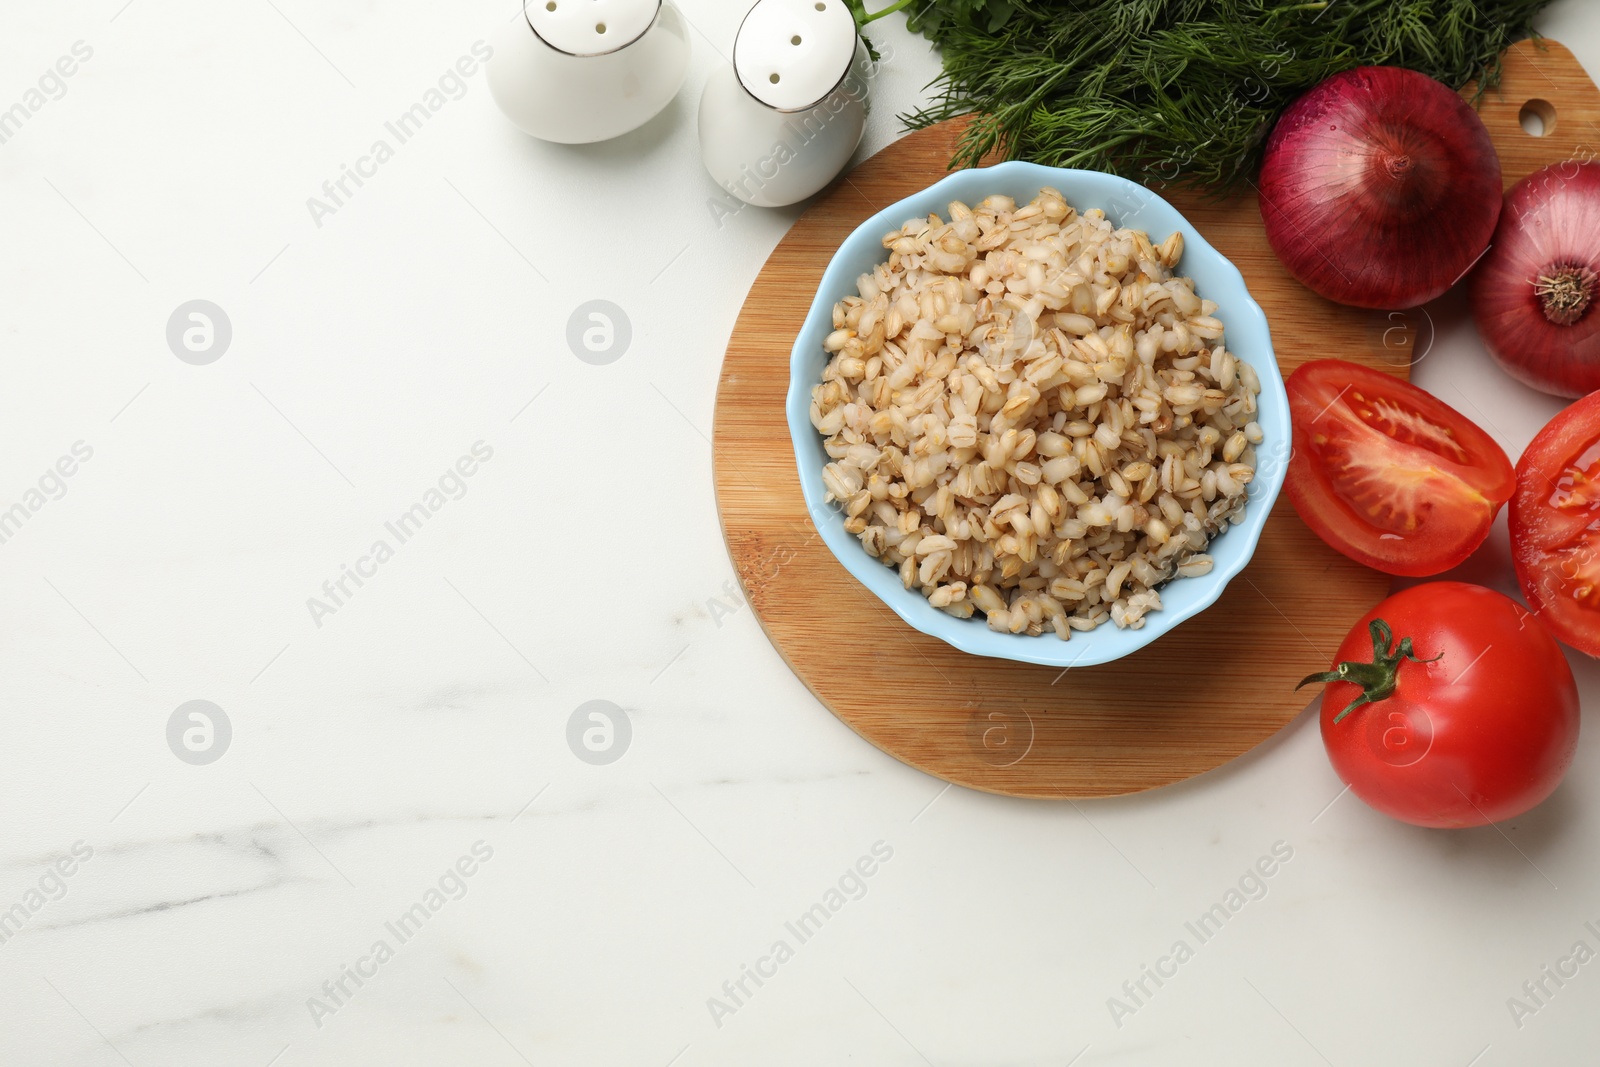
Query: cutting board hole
<point x="1538" y="118"/>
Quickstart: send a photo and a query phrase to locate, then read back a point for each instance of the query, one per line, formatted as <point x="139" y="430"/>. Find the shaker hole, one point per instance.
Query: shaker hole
<point x="551" y="6"/>
<point x="821" y="6"/>
<point x="795" y="39"/>
<point x="773" y="79"/>
<point x="599" y="27"/>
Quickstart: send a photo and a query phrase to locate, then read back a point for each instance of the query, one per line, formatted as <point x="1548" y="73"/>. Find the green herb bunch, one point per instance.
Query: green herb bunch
<point x="1179" y="91"/>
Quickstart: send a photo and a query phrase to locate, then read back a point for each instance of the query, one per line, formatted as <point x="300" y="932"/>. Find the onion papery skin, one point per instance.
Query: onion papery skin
<point x="1380" y="188"/>
<point x="1550" y="228"/>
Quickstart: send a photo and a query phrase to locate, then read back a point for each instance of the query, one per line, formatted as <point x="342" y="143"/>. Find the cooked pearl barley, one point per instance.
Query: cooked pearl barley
<point x="1030" y="417"/>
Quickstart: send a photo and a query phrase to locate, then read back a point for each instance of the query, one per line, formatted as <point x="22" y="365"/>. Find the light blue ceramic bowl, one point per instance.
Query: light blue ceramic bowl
<point x="1126" y="204"/>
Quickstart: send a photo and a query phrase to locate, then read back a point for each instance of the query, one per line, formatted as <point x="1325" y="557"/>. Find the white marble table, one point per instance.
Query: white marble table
<point x="397" y="769"/>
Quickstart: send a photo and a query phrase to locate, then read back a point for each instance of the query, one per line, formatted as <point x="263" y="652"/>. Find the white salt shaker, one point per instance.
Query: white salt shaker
<point x="783" y="120"/>
<point x="576" y="71"/>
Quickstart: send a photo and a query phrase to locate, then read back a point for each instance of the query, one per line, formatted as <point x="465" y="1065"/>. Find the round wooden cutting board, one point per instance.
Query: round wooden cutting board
<point x="1205" y="693"/>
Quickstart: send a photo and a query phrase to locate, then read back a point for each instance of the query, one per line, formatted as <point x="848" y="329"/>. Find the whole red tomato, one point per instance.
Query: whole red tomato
<point x="1450" y="705"/>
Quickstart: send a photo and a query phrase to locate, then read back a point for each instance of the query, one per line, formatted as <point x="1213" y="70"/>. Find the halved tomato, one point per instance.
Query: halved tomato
<point x="1555" y="524"/>
<point x="1387" y="474"/>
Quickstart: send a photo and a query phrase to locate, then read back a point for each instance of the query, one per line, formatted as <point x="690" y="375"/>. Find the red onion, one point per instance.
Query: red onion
<point x="1533" y="295"/>
<point x="1380" y="188"/>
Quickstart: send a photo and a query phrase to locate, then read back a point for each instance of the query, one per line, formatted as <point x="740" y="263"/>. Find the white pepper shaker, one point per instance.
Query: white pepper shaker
<point x="783" y="120"/>
<point x="576" y="71"/>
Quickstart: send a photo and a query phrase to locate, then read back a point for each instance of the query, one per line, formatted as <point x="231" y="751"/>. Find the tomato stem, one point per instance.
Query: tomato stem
<point x="1376" y="679"/>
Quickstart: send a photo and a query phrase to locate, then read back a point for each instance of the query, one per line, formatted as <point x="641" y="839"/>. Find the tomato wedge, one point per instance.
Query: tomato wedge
<point x="1389" y="475"/>
<point x="1555" y="524"/>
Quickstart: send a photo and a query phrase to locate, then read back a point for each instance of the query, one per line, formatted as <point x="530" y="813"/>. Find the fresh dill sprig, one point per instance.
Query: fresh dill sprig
<point x="1179" y="91"/>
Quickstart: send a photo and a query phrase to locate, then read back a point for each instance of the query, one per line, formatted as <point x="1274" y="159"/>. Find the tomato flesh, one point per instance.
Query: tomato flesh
<point x="1406" y="425"/>
<point x="1555" y="524"/>
<point x="1398" y="500"/>
<point x="1483" y="731"/>
<point x="1387" y="474"/>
